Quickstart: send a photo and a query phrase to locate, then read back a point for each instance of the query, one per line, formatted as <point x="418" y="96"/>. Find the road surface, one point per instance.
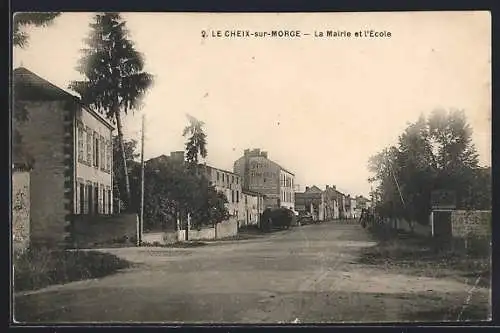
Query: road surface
<point x="307" y="274"/>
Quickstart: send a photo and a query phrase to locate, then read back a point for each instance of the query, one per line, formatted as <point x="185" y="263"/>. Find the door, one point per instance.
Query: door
<point x="442" y="224"/>
<point x="90" y="199"/>
<point x="82" y="198"/>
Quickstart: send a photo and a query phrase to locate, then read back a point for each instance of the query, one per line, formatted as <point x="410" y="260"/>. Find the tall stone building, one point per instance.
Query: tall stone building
<point x="262" y="175"/>
<point x="71" y="148"/>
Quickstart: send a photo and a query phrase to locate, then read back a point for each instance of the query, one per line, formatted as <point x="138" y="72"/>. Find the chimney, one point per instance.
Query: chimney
<point x="327" y="187"/>
<point x="264" y="154"/>
<point x="307" y="188"/>
<point x="246" y="152"/>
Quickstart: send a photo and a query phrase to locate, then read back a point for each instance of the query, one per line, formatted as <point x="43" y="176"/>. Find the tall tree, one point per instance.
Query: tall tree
<point x="432" y="154"/>
<point x="196" y="144"/>
<point x="133" y="168"/>
<point x="20" y="20"/>
<point x="115" y="80"/>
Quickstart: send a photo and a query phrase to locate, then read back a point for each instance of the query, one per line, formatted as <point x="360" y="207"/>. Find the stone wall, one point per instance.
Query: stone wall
<point x="91" y="231"/>
<point x="227" y="229"/>
<point x="224" y="229"/>
<point x="471" y="223"/>
<point x="44" y="137"/>
<point x="20" y="210"/>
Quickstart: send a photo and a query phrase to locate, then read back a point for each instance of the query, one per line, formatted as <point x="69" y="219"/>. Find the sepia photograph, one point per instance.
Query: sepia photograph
<point x="251" y="168"/>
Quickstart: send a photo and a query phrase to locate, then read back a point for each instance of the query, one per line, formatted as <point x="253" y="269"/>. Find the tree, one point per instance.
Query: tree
<point x="432" y="154"/>
<point x="196" y="144"/>
<point x="115" y="80"/>
<point x="171" y="190"/>
<point x="133" y="168"/>
<point x="20" y="38"/>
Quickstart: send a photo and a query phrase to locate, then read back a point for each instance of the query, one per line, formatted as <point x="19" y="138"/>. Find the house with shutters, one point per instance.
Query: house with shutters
<point x="70" y="149"/>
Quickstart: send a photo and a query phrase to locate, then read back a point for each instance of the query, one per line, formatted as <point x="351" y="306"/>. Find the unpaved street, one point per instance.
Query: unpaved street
<point x="308" y="274"/>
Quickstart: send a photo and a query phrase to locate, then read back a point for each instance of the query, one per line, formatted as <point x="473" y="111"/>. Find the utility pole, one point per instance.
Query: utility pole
<point x="141" y="229"/>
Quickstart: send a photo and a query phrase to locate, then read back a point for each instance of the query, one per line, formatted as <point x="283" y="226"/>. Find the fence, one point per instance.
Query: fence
<point x="89" y="231"/>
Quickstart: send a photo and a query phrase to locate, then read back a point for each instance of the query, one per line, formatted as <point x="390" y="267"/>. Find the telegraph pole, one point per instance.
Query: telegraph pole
<point x="141" y="229"/>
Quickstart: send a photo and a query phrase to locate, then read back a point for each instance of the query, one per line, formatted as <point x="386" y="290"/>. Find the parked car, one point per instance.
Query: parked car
<point x="306" y="218"/>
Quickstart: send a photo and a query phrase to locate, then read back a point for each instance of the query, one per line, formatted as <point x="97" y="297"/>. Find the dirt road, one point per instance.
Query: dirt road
<point x="308" y="274"/>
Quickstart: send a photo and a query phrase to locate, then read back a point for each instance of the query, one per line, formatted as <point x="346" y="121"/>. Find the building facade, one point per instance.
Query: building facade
<point x="252" y="207"/>
<point x="70" y="146"/>
<point x="262" y="175"/>
<point x="230" y="184"/>
<point x="312" y="201"/>
<point x="331" y="203"/>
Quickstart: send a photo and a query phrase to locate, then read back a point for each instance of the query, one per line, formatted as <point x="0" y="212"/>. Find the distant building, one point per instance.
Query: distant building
<point x="262" y="175"/>
<point x="71" y="148"/>
<point x="312" y="201"/>
<point x="228" y="183"/>
<point x="362" y="203"/>
<point x="331" y="203"/>
<point x="252" y="207"/>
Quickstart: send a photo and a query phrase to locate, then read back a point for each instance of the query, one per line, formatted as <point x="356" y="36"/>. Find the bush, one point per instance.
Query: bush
<point x="39" y="268"/>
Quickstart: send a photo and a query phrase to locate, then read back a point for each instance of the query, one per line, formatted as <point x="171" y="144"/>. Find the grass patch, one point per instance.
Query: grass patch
<point x="424" y="256"/>
<point x="36" y="269"/>
<point x="473" y="312"/>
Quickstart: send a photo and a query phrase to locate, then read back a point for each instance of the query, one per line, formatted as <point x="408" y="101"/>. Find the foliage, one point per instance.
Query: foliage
<point x="172" y="190"/>
<point x="115" y="81"/>
<point x="196" y="143"/>
<point x="432" y="154"/>
<point x="20" y="20"/>
<point x="39" y="268"/>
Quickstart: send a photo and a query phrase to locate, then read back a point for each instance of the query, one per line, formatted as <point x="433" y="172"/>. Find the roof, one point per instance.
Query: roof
<point x="256" y="156"/>
<point x="313" y="189"/>
<point x="255" y="193"/>
<point x="29" y="86"/>
<point x="226" y="171"/>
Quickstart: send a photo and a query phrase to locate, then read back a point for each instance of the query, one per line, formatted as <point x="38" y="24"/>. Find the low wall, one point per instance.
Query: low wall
<point x="89" y="231"/>
<point x="20" y="210"/>
<point x="227" y="228"/>
<point x="471" y="231"/>
<point x="203" y="234"/>
<point x="471" y="223"/>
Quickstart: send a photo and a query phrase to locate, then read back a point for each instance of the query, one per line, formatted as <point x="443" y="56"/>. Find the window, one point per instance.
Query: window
<point x="232" y="196"/>
<point x="246" y="199"/>
<point x="218" y="175"/>
<point x="81" y="142"/>
<point x="232" y="179"/>
<point x="96" y="150"/>
<point x="238" y="196"/>
<point x="223" y="178"/>
<point x="110" y="155"/>
<point x="237" y="180"/>
<point x="89" y="145"/>
<point x="102" y="151"/>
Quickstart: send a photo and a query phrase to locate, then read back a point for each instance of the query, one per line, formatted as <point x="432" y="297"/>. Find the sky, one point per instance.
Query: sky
<point x="320" y="107"/>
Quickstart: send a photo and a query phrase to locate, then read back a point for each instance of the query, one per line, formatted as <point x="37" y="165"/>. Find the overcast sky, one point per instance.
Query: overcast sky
<point x="320" y="107"/>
